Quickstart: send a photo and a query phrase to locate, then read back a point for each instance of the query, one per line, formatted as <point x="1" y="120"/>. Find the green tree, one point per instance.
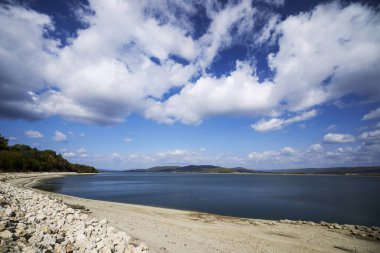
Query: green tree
<point x="22" y="157"/>
<point x="3" y="143"/>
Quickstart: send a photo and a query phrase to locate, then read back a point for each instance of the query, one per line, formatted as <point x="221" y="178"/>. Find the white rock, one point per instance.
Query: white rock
<point x="143" y="246"/>
<point x="40" y="217"/>
<point x="120" y="248"/>
<point x="2" y="227"/>
<point x="103" y="222"/>
<point x="9" y="212"/>
<point x="6" y="234"/>
<point x="35" y="239"/>
<point x="48" y="240"/>
<point x="81" y="237"/>
<point x="107" y="249"/>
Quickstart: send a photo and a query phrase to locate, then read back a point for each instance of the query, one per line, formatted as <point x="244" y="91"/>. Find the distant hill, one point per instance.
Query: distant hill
<point x="194" y="169"/>
<point x="22" y="158"/>
<point x="370" y="171"/>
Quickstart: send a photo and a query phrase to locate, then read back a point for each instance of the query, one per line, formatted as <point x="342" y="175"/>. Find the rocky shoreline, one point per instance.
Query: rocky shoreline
<point x="32" y="222"/>
<point x="369" y="233"/>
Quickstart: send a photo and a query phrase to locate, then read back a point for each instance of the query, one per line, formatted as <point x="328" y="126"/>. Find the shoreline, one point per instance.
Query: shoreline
<point x="170" y="230"/>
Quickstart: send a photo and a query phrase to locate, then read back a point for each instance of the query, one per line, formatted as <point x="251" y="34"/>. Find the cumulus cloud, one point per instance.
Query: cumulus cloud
<point x="276" y="123"/>
<point x="317" y="156"/>
<point x="370" y="135"/>
<point x="315" y="147"/>
<point x="302" y="79"/>
<point x="79" y="153"/>
<point x="274" y="2"/>
<point x="288" y="151"/>
<point x="372" y="114"/>
<point x="285" y="154"/>
<point x="322" y="56"/>
<point x="175" y="152"/>
<point x="59" y="136"/>
<point x="116" y="63"/>
<point x="317" y="50"/>
<point x="34" y="134"/>
<point x="22" y="65"/>
<point x="332" y="138"/>
<point x="69" y="154"/>
<point x="238" y="93"/>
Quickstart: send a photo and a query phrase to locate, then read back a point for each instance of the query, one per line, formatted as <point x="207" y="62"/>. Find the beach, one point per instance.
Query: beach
<point x="169" y="230"/>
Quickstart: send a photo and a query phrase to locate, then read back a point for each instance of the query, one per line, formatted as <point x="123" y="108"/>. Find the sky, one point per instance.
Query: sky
<point x="262" y="84"/>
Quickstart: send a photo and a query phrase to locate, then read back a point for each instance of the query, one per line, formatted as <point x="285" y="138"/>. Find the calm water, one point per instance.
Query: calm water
<point x="341" y="199"/>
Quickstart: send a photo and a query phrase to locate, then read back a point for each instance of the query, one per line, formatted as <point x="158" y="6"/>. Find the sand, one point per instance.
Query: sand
<point x="169" y="230"/>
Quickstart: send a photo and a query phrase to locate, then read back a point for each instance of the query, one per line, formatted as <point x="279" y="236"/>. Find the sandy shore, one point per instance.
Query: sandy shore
<point x="168" y="230"/>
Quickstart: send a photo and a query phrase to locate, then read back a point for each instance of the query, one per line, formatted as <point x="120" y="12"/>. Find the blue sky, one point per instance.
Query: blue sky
<point x="267" y="84"/>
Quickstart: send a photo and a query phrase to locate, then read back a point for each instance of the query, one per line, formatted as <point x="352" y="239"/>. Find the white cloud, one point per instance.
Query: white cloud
<point x="265" y="35"/>
<point x="288" y="151"/>
<point x="218" y="35"/>
<point x="276" y="124"/>
<point x="331" y="127"/>
<point x="238" y="93"/>
<point x="116" y="63"/>
<point x="302" y="79"/>
<point x="59" y="136"/>
<point x="257" y="156"/>
<point x="317" y="156"/>
<point x="75" y="154"/>
<point x="323" y="55"/>
<point x="175" y="152"/>
<point x="326" y="54"/>
<point x="82" y="151"/>
<point x="285" y="153"/>
<point x="127" y="140"/>
<point x="370" y="135"/>
<point x="287" y="157"/>
<point x="34" y="134"/>
<point x="372" y="114"/>
<point x="22" y="64"/>
<point x="338" y="138"/>
<point x="315" y="147"/>
<point x="274" y="2"/>
<point x="69" y="154"/>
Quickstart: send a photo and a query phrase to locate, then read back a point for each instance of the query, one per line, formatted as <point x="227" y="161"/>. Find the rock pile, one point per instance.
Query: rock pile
<point x="33" y="222"/>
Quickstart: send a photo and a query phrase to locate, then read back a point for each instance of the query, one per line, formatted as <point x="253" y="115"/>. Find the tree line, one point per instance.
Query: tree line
<point x="23" y="158"/>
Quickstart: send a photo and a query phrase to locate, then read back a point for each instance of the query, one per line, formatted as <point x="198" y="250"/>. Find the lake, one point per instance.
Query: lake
<point x="341" y="199"/>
